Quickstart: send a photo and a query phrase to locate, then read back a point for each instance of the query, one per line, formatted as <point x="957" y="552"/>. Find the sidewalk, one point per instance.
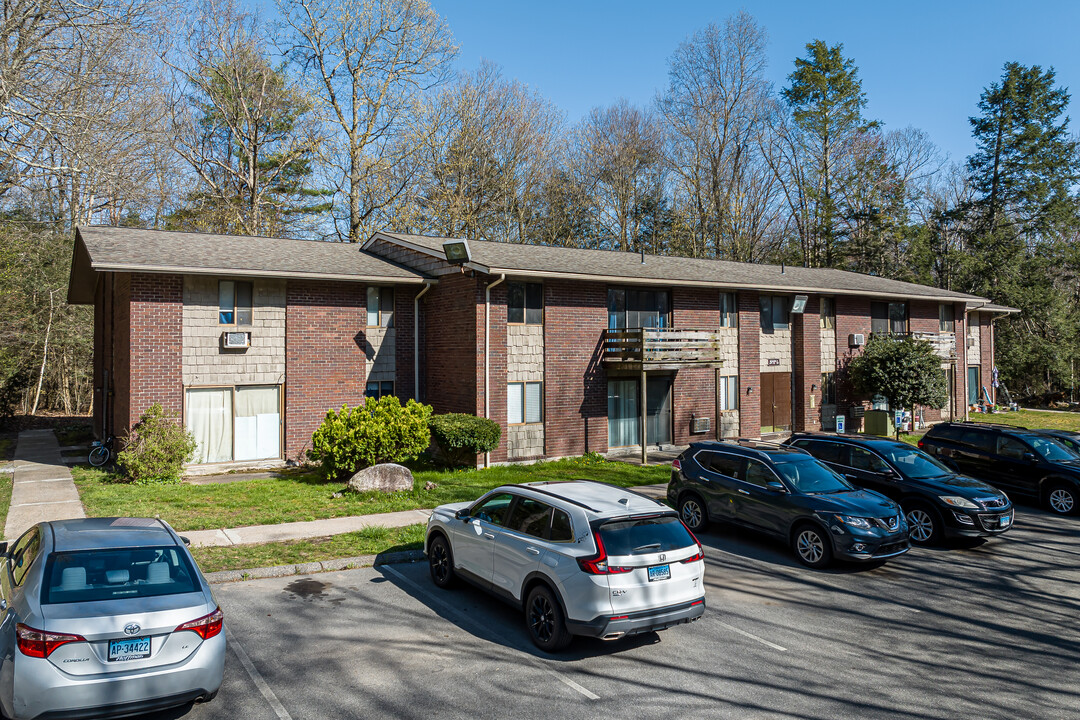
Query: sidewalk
<point x="42" y="486"/>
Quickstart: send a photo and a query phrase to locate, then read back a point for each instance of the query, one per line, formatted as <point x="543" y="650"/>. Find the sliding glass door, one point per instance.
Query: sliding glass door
<point x="623" y="413"/>
<point x="242" y="423"/>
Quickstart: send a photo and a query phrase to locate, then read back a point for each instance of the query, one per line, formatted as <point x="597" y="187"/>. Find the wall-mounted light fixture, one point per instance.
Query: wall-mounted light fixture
<point x="457" y="252"/>
<point x="813" y="387"/>
<point x="750" y="390"/>
<point x="799" y="304"/>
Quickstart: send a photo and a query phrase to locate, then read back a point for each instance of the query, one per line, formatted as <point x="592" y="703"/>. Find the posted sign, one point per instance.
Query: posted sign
<point x="840" y="422"/>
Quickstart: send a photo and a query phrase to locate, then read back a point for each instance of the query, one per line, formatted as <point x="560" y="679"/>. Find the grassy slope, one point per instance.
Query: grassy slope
<point x="306" y="497"/>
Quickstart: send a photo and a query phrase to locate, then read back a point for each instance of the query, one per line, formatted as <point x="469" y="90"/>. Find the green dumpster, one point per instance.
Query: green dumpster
<point x="880" y="422"/>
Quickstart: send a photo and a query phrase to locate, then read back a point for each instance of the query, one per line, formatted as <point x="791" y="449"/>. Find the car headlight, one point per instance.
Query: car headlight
<point x="957" y="501"/>
<point x="856" y="522"/>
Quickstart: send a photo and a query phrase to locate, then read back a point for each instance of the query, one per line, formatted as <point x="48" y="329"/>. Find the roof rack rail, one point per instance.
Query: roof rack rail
<point x="751" y="444"/>
<point x="991" y="424"/>
<point x="527" y="486"/>
<point x="619" y="487"/>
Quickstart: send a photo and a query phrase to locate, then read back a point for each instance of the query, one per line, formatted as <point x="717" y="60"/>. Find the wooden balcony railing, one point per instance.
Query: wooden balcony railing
<point x="661" y="349"/>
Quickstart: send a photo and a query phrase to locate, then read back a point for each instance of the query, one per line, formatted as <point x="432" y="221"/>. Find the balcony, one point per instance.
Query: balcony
<point x="944" y="343"/>
<point x="644" y="349"/>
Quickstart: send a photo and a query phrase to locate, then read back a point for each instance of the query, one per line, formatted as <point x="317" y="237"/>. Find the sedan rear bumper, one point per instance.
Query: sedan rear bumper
<point x="612" y="627"/>
<point x="41" y="690"/>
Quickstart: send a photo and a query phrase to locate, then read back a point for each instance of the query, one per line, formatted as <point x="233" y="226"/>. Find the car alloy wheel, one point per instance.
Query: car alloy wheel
<point x="692" y="513"/>
<point x="921" y="524"/>
<point x="440" y="563"/>
<point x="810" y="546"/>
<point x="1062" y="500"/>
<point x="542" y="618"/>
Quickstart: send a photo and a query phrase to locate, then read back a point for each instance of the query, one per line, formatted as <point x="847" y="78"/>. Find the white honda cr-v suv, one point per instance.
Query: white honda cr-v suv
<point x="580" y="558"/>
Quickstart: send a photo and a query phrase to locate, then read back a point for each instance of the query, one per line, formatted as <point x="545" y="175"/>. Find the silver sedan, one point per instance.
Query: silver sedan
<point x="105" y="617"/>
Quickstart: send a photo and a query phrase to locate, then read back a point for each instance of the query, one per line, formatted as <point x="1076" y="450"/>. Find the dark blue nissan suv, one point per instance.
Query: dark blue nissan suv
<point x="785" y="492"/>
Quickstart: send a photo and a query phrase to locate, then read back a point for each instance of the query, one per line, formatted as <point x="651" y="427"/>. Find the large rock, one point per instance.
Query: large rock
<point x="386" y="478"/>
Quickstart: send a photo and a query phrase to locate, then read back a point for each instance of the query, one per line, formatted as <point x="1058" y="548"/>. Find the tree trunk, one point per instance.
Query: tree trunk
<point x="44" y="356"/>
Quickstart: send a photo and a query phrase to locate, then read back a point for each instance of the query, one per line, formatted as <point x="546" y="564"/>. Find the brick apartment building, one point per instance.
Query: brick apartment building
<point x="251" y="340"/>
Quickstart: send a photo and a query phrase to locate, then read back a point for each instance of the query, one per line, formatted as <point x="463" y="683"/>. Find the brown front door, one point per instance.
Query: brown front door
<point x="775" y="402"/>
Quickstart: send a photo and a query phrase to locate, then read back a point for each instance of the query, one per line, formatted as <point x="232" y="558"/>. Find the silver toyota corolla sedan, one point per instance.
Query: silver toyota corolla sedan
<point x="105" y="617"/>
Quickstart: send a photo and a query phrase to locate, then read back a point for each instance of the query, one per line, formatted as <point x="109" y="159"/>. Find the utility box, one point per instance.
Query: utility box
<point x="879" y="422"/>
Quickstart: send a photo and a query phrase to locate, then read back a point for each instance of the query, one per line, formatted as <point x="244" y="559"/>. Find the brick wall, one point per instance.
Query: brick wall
<point x="119" y="355"/>
<point x="497" y="367"/>
<point x="324" y="354"/>
<point x="986" y="347"/>
<point x="852" y="316"/>
<point x="452" y="364"/>
<point x="694" y="389"/>
<point x="403" y="341"/>
<point x="749" y="364"/>
<point x="575" y="316"/>
<point x="156" y="320"/>
<point x="806" y="337"/>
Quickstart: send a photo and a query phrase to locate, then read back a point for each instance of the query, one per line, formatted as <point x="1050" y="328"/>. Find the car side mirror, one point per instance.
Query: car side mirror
<point x="3" y="548"/>
<point x="1030" y="457"/>
<point x="186" y="541"/>
<point x="776" y="485"/>
<point x="462" y="514"/>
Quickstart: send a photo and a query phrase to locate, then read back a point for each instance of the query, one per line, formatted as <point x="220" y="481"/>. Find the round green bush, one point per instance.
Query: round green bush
<point x="379" y="431"/>
<point x="459" y="438"/>
<point x="156" y="448"/>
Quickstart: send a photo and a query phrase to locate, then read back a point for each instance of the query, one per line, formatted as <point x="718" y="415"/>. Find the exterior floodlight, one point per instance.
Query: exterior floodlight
<point x="457" y="252"/>
<point x="798" y="305"/>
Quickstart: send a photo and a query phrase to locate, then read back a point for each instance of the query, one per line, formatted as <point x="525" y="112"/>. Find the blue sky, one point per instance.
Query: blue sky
<point x="921" y="63"/>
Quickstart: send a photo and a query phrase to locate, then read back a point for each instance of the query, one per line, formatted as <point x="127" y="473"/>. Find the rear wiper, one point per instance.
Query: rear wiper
<point x="646" y="547"/>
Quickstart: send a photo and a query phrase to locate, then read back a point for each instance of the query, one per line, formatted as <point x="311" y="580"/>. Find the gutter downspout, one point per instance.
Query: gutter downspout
<point x="487" y="355"/>
<point x="416" y="340"/>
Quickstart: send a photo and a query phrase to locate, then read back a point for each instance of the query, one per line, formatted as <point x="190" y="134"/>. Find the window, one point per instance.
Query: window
<point x="830" y="452"/>
<point x="1011" y="448"/>
<point x="828" y="388"/>
<point x="978" y="439"/>
<point x="525" y="303"/>
<point x="524" y="403"/>
<point x="888" y="317"/>
<point x="774" y="313"/>
<point x="530" y="517"/>
<point x="234" y="303"/>
<point x="561" y="530"/>
<point x="946" y="318"/>
<point x="380" y="306"/>
<point x="94" y="575"/>
<point x="862" y="459"/>
<point x="241" y="423"/>
<point x="729" y="311"/>
<point x="721" y="463"/>
<point x="828" y="313"/>
<point x="758" y="473"/>
<point x="630" y="309"/>
<point x="729" y="392"/>
<point x="376" y="389"/>
<point x="24" y="554"/>
<point x="493" y="510"/>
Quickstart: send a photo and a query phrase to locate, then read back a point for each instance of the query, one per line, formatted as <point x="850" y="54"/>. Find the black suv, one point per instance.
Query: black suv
<point x="937" y="501"/>
<point x="1021" y="461"/>
<point x="785" y="492"/>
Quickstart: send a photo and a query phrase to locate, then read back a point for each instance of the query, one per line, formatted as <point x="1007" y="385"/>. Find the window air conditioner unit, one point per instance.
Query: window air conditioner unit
<point x="856" y="340"/>
<point x="235" y="340"/>
<point x="971" y="342"/>
<point x="701" y="425"/>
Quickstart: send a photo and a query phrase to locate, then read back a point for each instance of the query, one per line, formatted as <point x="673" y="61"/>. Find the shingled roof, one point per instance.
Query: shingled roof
<point x="624" y="267"/>
<point x="102" y="249"/>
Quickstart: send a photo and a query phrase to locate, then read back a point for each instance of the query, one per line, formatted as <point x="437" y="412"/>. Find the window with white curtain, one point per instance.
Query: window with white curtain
<point x="241" y="423"/>
<point x="623" y="414"/>
<point x="524" y="403"/>
<point x="729" y="392"/>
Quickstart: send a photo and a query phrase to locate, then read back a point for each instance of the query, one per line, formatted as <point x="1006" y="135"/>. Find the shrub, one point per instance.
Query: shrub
<point x="156" y="448"/>
<point x="379" y="431"/>
<point x="460" y="438"/>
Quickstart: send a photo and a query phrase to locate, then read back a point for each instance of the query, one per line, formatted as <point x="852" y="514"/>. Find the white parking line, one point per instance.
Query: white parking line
<point x="538" y="664"/>
<point x="774" y="646"/>
<point x="256" y="678"/>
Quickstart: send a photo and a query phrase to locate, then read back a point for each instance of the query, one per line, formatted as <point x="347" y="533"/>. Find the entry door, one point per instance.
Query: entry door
<point x="973" y="384"/>
<point x="775" y="402"/>
<point x="658" y="407"/>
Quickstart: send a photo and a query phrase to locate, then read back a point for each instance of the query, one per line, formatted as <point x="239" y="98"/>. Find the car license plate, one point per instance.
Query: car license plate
<point x="1005" y="521"/>
<point x="659" y="572"/>
<point x="129" y="649"/>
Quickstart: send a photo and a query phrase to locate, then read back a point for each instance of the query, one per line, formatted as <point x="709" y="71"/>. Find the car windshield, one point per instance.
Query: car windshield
<point x="643" y="536"/>
<point x="809" y="476"/>
<point x="114" y="574"/>
<point x="914" y="463"/>
<point x="1050" y="449"/>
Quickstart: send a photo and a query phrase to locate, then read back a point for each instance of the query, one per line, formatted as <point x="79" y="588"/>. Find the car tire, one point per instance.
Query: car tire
<point x="812" y="546"/>
<point x="693" y="513"/>
<point x="1062" y="498"/>
<point x="924" y="524"/>
<point x="545" y="621"/>
<point x="441" y="562"/>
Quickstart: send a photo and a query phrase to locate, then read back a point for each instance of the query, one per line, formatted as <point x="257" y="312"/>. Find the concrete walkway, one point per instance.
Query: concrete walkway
<point x="42" y="486"/>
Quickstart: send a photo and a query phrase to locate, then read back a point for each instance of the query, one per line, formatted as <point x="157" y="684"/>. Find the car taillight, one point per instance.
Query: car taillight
<point x="597" y="564"/>
<point x="207" y="626"/>
<point x="676" y="465"/>
<point x="920" y="443"/>
<point x="700" y="549"/>
<point x="40" y="644"/>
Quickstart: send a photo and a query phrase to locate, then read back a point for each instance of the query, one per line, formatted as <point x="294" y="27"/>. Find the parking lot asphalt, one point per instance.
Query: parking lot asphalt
<point x="974" y="630"/>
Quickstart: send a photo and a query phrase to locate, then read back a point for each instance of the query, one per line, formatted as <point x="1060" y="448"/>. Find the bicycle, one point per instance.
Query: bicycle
<point x="101" y="452"/>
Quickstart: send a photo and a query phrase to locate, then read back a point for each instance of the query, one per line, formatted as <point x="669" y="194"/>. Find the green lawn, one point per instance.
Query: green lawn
<point x="269" y="501"/>
<point x="369" y="541"/>
<point x="1033" y="419"/>
<point x="75" y="434"/>
<point x="7" y="448"/>
<point x="5" y="499"/>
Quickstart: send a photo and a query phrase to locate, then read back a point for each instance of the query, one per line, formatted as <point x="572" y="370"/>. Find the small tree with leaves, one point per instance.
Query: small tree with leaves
<point x="902" y="369"/>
